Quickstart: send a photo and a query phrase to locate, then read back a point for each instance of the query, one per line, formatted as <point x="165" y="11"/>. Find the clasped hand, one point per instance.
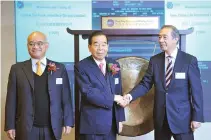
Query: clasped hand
<point x="123" y="101"/>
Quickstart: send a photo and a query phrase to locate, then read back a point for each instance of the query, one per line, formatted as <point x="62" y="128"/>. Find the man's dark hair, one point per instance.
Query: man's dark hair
<point x="174" y="33"/>
<point x="96" y="33"/>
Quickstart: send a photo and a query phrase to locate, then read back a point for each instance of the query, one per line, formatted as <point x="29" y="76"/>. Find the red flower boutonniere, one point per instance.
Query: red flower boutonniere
<point x="113" y="68"/>
<point x="51" y="67"/>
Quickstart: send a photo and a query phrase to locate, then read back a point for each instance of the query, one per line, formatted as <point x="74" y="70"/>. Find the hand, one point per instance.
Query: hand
<point x="66" y="130"/>
<point x="194" y="125"/>
<point x="120" y="127"/>
<point x="11" y="134"/>
<point x="120" y="101"/>
<point x="118" y="98"/>
<point x="126" y="100"/>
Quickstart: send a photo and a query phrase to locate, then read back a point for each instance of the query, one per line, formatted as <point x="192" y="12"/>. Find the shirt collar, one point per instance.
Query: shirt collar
<point x="98" y="62"/>
<point x="43" y="61"/>
<point x="174" y="53"/>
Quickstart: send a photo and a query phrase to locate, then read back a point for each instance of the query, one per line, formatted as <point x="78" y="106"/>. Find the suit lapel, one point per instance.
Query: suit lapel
<point x="111" y="78"/>
<point x="27" y="68"/>
<point x="177" y="66"/>
<point x="161" y="66"/>
<point x="96" y="71"/>
<point x="50" y="77"/>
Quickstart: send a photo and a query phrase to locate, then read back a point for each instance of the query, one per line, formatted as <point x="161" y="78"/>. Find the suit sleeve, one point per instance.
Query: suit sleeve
<point x="196" y="90"/>
<point x="10" y="106"/>
<point x="92" y="94"/>
<point x="67" y="101"/>
<point x="145" y="84"/>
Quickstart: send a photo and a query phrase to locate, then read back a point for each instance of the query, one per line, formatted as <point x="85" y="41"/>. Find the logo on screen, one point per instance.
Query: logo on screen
<point x="169" y="5"/>
<point x="20" y="4"/>
<point x="110" y="23"/>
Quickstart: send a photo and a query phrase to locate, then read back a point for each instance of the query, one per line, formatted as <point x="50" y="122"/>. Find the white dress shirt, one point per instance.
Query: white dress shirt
<point x="104" y="64"/>
<point x="43" y="64"/>
<point x="173" y="57"/>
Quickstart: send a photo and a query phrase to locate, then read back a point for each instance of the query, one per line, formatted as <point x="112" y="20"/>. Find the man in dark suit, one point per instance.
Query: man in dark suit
<point x="178" y="103"/>
<point x="38" y="103"/>
<point x="99" y="80"/>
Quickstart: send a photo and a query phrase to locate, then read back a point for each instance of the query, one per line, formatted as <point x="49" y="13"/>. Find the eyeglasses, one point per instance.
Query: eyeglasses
<point x="39" y="43"/>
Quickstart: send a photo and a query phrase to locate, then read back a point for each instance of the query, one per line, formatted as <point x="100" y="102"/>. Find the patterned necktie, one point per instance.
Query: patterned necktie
<point x="169" y="71"/>
<point x="39" y="70"/>
<point x="101" y="68"/>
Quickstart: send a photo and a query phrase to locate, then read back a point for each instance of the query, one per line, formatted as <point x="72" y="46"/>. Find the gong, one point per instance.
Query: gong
<point x="139" y="113"/>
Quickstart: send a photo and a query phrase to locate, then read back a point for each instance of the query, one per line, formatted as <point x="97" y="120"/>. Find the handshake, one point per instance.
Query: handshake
<point x="123" y="101"/>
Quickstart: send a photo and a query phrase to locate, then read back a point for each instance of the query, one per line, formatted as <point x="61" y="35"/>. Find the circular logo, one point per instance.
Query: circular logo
<point x="169" y="5"/>
<point x="20" y="4"/>
<point x="110" y="22"/>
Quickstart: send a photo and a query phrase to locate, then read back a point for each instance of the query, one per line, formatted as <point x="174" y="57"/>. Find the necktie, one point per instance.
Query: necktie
<point x="39" y="70"/>
<point x="169" y="71"/>
<point x="101" y="68"/>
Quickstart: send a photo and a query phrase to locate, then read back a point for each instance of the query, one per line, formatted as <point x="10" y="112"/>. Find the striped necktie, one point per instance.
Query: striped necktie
<point x="169" y="71"/>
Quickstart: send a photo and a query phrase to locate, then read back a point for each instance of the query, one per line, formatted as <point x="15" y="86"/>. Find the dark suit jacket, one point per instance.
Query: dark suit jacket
<point x="97" y="98"/>
<point x="180" y="110"/>
<point x="19" y="110"/>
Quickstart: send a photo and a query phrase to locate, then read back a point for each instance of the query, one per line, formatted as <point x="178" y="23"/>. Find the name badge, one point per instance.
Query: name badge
<point x="179" y="75"/>
<point x="58" y="81"/>
<point x="116" y="81"/>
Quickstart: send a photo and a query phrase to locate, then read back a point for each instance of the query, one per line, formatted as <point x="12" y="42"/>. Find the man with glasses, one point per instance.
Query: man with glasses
<point x="38" y="104"/>
<point x="99" y="81"/>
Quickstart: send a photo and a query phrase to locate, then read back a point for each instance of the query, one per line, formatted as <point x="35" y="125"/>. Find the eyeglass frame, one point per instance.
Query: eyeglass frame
<point x="37" y="43"/>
